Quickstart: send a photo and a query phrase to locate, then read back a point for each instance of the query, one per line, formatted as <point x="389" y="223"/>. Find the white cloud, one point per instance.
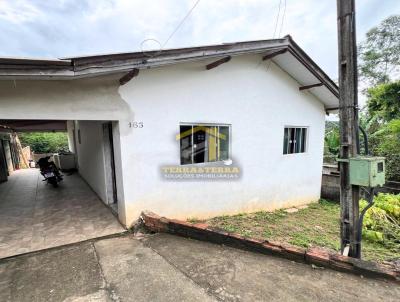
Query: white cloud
<point x="60" y="28"/>
<point x="18" y="11"/>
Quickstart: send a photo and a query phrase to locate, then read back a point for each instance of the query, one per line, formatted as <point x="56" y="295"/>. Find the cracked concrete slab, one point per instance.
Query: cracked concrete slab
<point x="35" y="216"/>
<point x="54" y="275"/>
<point x="235" y="275"/>
<point x="163" y="267"/>
<point x="100" y="296"/>
<point x="116" y="269"/>
<point x="137" y="273"/>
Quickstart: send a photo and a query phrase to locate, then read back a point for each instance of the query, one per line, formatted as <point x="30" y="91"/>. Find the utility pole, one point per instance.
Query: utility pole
<point x="348" y="114"/>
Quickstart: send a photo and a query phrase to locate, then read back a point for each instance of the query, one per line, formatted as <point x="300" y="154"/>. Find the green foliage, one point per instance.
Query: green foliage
<point x="382" y="123"/>
<point x="380" y="52"/>
<point x="386" y="142"/>
<point x="382" y="221"/>
<point x="319" y="225"/>
<point x="45" y="142"/>
<point x="331" y="142"/>
<point x="332" y="138"/>
<point x="384" y="101"/>
<point x="379" y="65"/>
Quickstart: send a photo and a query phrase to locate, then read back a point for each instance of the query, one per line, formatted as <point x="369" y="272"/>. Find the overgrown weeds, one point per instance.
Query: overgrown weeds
<point x="318" y="226"/>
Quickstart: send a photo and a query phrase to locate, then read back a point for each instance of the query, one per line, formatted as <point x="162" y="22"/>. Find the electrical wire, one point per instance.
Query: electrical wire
<point x="277" y="18"/>
<point x="180" y="24"/>
<point x="273" y="36"/>
<point x="283" y="19"/>
<point x="276" y="25"/>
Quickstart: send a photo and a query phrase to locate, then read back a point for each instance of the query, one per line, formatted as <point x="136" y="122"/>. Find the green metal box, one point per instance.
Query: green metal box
<point x="367" y="171"/>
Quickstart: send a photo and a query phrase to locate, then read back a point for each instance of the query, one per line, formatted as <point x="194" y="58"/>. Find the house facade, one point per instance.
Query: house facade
<point x="192" y="132"/>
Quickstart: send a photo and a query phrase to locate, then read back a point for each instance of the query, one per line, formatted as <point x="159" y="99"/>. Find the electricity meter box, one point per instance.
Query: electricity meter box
<point x="367" y="171"/>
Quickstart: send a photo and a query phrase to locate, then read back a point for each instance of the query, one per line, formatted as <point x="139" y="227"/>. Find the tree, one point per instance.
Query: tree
<point x="379" y="57"/>
<point x="332" y="138"/>
<point x="382" y="122"/>
<point x="45" y="142"/>
<point x="379" y="54"/>
<point x="386" y="142"/>
<point x="384" y="101"/>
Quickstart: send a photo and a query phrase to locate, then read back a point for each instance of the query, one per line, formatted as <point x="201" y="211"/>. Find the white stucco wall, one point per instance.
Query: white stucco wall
<point x="119" y="172"/>
<point x="70" y="135"/>
<point x="83" y="99"/>
<point x="258" y="102"/>
<point x="91" y="156"/>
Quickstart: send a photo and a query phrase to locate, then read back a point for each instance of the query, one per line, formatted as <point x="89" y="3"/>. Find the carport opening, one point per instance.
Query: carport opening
<point x="83" y="147"/>
<point x="35" y="215"/>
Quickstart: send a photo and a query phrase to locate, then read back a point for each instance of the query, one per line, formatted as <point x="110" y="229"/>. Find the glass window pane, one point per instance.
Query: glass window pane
<point x="291" y="140"/>
<point x="298" y="140"/>
<point x="212" y="144"/>
<point x="186" y="144"/>
<point x="223" y="145"/>
<point x="285" y="141"/>
<point x="199" y="144"/>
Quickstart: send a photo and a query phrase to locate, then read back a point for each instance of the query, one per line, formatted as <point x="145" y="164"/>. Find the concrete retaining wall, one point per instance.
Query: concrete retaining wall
<point x="330" y="188"/>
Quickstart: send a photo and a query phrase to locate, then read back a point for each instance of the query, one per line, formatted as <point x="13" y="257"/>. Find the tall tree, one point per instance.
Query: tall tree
<point x="380" y="53"/>
<point x="384" y="101"/>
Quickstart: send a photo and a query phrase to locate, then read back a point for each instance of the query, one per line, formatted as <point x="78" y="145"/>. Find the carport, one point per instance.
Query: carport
<point x="35" y="215"/>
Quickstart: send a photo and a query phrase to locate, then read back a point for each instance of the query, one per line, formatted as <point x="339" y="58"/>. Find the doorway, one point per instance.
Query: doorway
<point x="111" y="183"/>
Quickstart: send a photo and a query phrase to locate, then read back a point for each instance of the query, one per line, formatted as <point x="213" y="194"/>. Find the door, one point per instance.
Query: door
<point x="108" y="145"/>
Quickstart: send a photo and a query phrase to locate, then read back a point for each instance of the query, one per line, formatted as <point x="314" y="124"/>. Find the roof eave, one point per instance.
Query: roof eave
<point x="98" y="65"/>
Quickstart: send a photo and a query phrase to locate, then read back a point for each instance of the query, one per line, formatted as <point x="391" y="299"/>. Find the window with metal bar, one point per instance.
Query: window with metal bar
<point x="204" y="143"/>
<point x="294" y="140"/>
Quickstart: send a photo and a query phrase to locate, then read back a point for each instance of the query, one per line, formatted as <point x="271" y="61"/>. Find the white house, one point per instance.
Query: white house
<point x="250" y="115"/>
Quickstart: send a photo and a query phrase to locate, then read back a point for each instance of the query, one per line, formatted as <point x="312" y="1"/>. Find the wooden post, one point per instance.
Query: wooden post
<point x="23" y="159"/>
<point x="348" y="114"/>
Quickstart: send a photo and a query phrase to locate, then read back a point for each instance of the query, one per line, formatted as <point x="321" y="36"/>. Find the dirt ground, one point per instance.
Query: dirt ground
<point x="168" y="268"/>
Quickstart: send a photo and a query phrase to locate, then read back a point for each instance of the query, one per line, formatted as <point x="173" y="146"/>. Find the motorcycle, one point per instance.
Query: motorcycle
<point x="49" y="171"/>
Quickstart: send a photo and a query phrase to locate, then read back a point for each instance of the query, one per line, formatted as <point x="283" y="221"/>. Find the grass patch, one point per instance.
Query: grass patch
<point x="315" y="226"/>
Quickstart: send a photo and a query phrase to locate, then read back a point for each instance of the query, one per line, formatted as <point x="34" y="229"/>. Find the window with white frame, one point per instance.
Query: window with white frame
<point x="294" y="140"/>
<point x="202" y="143"/>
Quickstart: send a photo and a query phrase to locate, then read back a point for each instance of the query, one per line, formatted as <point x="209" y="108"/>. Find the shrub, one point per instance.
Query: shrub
<point x="45" y="142"/>
<point x="382" y="221"/>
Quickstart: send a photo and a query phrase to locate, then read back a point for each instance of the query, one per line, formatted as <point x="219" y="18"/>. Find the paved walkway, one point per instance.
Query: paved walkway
<point x="35" y="216"/>
<point x="168" y="268"/>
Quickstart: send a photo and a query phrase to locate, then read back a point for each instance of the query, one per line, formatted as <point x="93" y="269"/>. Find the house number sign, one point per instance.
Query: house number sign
<point x="135" y="124"/>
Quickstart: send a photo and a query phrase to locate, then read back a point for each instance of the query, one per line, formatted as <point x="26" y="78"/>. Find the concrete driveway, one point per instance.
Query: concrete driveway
<point x="168" y="268"/>
<point x="36" y="216"/>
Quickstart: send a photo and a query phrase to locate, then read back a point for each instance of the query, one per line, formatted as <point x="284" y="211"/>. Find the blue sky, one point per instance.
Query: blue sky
<point x="62" y="28"/>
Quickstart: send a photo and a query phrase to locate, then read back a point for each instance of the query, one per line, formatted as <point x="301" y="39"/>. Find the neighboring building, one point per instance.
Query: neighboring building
<point x="257" y="108"/>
